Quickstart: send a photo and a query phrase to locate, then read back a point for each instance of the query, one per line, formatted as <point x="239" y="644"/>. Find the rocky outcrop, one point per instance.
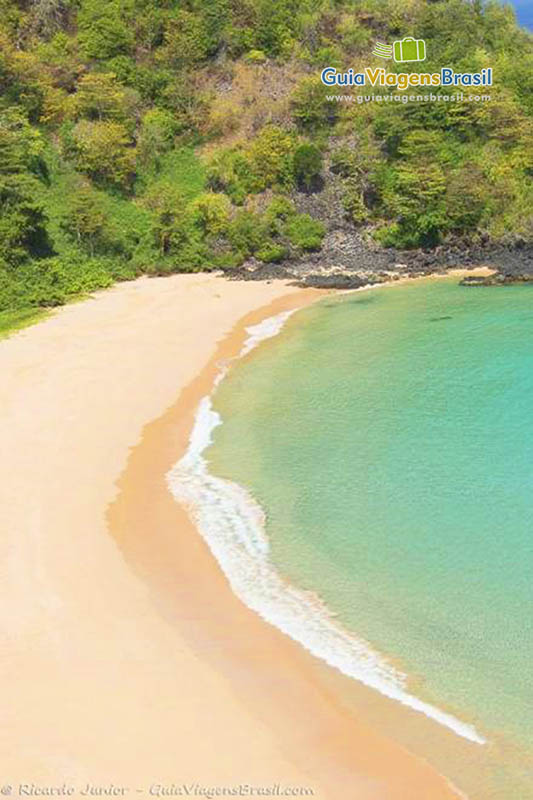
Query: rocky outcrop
<point x="349" y="259"/>
<point x="496" y="279"/>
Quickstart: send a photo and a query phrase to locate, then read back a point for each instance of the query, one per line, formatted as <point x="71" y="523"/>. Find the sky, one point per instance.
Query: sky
<point x="524" y="12"/>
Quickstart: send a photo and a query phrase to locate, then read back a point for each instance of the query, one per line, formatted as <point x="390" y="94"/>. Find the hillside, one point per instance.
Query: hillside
<point x="139" y="136"/>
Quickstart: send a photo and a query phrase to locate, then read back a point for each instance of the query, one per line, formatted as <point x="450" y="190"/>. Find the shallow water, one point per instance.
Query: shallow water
<point x="386" y="436"/>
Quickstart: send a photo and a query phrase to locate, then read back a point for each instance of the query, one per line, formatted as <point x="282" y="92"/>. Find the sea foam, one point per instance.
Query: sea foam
<point x="233" y="525"/>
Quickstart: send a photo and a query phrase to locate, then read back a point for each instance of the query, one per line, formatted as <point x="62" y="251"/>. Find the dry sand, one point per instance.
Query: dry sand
<point x="125" y="658"/>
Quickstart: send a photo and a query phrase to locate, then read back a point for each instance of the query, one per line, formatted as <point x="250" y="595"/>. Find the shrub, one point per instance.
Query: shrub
<point x="230" y="171"/>
<point x="272" y="253"/>
<point x="239" y="40"/>
<point x="353" y="202"/>
<point x="271" y="156"/>
<point x="223" y="118"/>
<point x="247" y="233"/>
<point x="102" y="32"/>
<point x="307" y="164"/>
<point x="256" y="57"/>
<point x="156" y="136"/>
<point x="21" y="146"/>
<point x="279" y="208"/>
<point x="211" y="212"/>
<point x="305" y="232"/>
<point x="103" y="150"/>
<point x="52" y="281"/>
<point x="22" y="219"/>
<point x="85" y="218"/>
<point x="354" y="37"/>
<point x="310" y="108"/>
<point x="274" y="26"/>
<point x="100" y="96"/>
<point x="345" y="162"/>
<point x="189" y="106"/>
<point x="170" y="220"/>
<point x="125" y="69"/>
<point x="186" y="40"/>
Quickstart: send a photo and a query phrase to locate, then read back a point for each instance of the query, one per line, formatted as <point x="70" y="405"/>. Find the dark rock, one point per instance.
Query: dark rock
<point x="496" y="279"/>
<point x="350" y="257"/>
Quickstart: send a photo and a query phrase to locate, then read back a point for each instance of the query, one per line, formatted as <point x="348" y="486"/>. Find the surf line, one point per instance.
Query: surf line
<point x="233" y="525"/>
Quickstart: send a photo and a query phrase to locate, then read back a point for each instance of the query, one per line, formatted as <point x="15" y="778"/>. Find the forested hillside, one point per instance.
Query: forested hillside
<point x="153" y="136"/>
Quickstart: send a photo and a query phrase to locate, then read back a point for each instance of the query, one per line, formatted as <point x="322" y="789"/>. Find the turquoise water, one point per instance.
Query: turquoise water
<point x="387" y="435"/>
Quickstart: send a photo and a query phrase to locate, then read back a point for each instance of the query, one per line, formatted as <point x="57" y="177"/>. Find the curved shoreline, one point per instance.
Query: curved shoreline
<point x="128" y="658"/>
<point x="233" y="525"/>
<point x="222" y="632"/>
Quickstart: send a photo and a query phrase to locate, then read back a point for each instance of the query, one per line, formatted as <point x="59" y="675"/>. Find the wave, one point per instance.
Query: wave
<point x="233" y="525"/>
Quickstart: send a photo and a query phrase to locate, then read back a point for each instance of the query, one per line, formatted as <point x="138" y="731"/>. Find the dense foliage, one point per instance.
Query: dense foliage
<point x="166" y="135"/>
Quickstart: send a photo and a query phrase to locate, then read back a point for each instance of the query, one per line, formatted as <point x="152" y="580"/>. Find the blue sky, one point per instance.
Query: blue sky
<point x="524" y="11"/>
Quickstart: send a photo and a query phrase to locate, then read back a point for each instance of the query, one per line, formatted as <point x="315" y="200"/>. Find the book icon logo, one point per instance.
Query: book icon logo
<point x="408" y="49"/>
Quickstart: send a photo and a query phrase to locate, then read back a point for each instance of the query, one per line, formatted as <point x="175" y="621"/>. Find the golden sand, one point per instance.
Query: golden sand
<point x="126" y="659"/>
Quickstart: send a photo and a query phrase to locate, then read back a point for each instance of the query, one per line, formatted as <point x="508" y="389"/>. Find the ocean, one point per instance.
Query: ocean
<point x="365" y="479"/>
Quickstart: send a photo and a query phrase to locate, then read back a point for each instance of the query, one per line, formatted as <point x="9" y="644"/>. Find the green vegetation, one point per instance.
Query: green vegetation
<point x="146" y="137"/>
<point x="11" y="321"/>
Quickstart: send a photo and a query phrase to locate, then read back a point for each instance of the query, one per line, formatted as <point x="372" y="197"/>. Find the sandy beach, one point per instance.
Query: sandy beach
<point x="126" y="659"/>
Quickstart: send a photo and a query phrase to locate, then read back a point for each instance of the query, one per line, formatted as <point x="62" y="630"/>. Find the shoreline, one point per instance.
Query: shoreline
<point x="176" y="427"/>
<point x="150" y="667"/>
<point x="233" y="525"/>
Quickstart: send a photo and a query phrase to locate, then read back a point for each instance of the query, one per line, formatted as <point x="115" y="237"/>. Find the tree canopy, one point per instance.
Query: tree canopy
<point x="147" y="136"/>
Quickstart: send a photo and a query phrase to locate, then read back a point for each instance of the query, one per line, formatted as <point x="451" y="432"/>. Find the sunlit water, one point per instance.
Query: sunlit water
<point x="388" y="437"/>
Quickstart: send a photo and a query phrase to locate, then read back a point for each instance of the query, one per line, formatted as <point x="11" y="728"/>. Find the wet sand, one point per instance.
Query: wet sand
<point x="126" y="659"/>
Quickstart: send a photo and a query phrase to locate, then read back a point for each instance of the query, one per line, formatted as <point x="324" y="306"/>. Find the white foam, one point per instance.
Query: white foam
<point x="233" y="525"/>
<point x="265" y="330"/>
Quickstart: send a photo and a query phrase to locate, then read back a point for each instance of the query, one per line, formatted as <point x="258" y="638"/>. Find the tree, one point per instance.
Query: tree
<point x="186" y="40"/>
<point x="230" y="171"/>
<point x="169" y="226"/>
<point x="271" y="155"/>
<point x="22" y="216"/>
<point x="211" y="212"/>
<point x="422" y="209"/>
<point x="22" y="219"/>
<point x="85" y="218"/>
<point x="275" y="26"/>
<point x="100" y="96"/>
<point x="467" y="195"/>
<point x="307" y="164"/>
<point x="414" y="191"/>
<point x="156" y="137"/>
<point x="102" y="31"/>
<point x="47" y="16"/>
<point x="104" y="151"/>
<point x="247" y="233"/>
<point x="21" y="146"/>
<point x="215" y="17"/>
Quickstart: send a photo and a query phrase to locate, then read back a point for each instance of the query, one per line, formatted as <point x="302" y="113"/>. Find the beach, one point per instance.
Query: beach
<point x="128" y="665"/>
